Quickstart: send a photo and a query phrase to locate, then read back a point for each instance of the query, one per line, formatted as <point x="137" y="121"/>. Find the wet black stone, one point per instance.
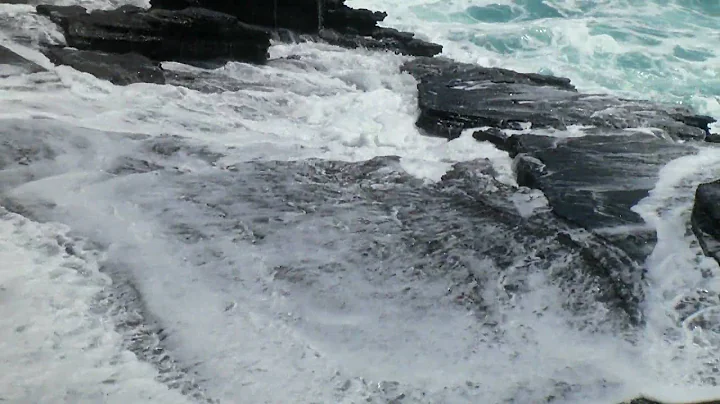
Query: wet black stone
<point x="705" y="218"/>
<point x="187" y="35"/>
<point x="382" y="39"/>
<point x="713" y="138"/>
<point x="493" y="135"/>
<point x="120" y="69"/>
<point x="456" y="96"/>
<point x="594" y="181"/>
<point x="328" y="20"/>
<point x="591" y="181"/>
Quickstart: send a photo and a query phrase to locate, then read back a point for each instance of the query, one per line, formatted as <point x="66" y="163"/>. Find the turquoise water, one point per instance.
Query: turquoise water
<point x="664" y="50"/>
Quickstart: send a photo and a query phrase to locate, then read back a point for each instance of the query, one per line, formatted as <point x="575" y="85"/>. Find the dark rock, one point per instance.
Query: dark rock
<point x="186" y="35"/>
<point x="303" y="16"/>
<point x="496" y="136"/>
<point x="713" y="138"/>
<point x="382" y="39"/>
<point x="342" y="18"/>
<point x="455" y="96"/>
<point x="330" y="20"/>
<point x="650" y="401"/>
<point x="298" y="15"/>
<point x="11" y="64"/>
<point x="594" y="181"/>
<point x="119" y="69"/>
<point x="706" y="218"/>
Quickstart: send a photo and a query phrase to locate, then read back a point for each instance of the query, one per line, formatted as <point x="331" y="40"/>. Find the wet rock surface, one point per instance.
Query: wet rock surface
<point x="324" y="228"/>
<point x="456" y="96"/>
<point x="119" y="69"/>
<point x="705" y="218"/>
<point x="594" y="181"/>
<point x="330" y="21"/>
<point x="191" y="34"/>
<point x="12" y="64"/>
<point x="208" y="33"/>
<point x="592" y="178"/>
<point x="382" y="39"/>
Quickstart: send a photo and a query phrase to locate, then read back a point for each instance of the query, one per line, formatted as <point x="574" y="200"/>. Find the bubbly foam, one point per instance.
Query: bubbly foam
<point x="351" y="106"/>
<point x="55" y="346"/>
<point x="659" y="50"/>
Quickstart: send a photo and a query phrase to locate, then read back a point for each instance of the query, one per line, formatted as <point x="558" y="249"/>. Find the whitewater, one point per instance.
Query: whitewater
<point x="179" y="288"/>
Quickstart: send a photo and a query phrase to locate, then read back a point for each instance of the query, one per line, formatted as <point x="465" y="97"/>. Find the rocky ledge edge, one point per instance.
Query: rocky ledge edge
<point x="125" y="45"/>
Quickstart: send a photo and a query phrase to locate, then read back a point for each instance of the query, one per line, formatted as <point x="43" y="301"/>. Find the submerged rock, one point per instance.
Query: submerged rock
<point x="12" y="64"/>
<point x="191" y="34"/>
<point x="705" y="218"/>
<point x="456" y="96"/>
<point x="120" y="69"/>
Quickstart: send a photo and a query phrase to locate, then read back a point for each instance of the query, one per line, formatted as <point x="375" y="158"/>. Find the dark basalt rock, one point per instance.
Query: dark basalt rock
<point x="298" y="15"/>
<point x="11" y="64"/>
<point x="705" y="218"/>
<point x="650" y="401"/>
<point x="120" y="69"/>
<point x="594" y="181"/>
<point x="713" y="138"/>
<point x="186" y="35"/>
<point x="495" y="136"/>
<point x="327" y="20"/>
<point x="591" y="181"/>
<point x="456" y="96"/>
<point x="302" y="16"/>
<point x="382" y="39"/>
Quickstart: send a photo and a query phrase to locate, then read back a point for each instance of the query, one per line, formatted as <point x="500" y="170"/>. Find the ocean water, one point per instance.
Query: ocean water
<point x="165" y="244"/>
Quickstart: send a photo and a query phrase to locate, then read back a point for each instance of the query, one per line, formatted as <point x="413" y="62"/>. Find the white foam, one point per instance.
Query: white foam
<point x="675" y="270"/>
<point x="55" y="347"/>
<point x="246" y="333"/>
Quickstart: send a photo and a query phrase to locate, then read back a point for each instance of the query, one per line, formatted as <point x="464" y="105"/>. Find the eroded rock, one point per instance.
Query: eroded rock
<point x="595" y="180"/>
<point x="191" y="34"/>
<point x="592" y="177"/>
<point x="328" y="20"/>
<point x="706" y="218"/>
<point x="120" y="69"/>
<point x="456" y="96"/>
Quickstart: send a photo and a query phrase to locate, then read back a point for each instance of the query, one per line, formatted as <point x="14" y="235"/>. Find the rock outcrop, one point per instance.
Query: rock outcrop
<point x="705" y="218"/>
<point x="11" y="64"/>
<point x="188" y="35"/>
<point x="119" y="69"/>
<point x="207" y="31"/>
<point x="595" y="180"/>
<point x="456" y="96"/>
<point x="592" y="179"/>
<point x="328" y="20"/>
